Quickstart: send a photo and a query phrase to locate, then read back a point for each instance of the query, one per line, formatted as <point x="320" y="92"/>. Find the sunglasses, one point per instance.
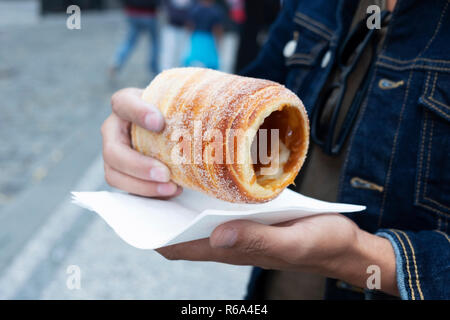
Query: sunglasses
<point x="326" y="111"/>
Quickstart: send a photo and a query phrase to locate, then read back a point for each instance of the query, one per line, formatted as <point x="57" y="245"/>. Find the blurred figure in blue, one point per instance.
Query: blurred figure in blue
<point x="141" y="17"/>
<point x="176" y="36"/>
<point x="206" y="21"/>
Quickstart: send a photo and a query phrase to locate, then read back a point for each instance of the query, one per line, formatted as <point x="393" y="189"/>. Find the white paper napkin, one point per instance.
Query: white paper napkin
<point x="149" y="223"/>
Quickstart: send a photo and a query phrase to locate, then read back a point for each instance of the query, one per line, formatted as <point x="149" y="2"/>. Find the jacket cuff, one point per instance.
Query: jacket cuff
<point x="422" y="263"/>
<point x="399" y="263"/>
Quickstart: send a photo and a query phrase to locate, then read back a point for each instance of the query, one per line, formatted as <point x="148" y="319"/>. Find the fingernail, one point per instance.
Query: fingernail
<point x="225" y="239"/>
<point x="160" y="174"/>
<point x="154" y="121"/>
<point x="166" y="189"/>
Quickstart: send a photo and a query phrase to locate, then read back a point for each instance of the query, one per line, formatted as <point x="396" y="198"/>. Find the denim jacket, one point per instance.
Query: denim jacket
<point x="398" y="160"/>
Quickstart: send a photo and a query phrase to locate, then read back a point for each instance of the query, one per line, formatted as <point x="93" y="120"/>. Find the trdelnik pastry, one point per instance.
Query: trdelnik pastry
<point x="219" y="127"/>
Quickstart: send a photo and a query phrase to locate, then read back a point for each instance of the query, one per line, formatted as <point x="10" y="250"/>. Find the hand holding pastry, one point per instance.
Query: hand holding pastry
<point x="234" y="138"/>
<point x="126" y="168"/>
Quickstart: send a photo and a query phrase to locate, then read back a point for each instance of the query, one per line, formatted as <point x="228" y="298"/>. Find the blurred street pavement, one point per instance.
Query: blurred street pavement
<point x="55" y="95"/>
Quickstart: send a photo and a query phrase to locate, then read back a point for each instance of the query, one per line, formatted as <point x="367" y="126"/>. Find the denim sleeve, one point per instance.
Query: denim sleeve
<point x="270" y="62"/>
<point x="422" y="263"/>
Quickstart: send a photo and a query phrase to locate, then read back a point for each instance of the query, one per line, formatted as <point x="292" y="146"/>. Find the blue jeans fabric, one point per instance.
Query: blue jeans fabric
<point x="401" y="140"/>
<point x="136" y="26"/>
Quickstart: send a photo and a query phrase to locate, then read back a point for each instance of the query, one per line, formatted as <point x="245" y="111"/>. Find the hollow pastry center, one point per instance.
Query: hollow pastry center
<point x="277" y="146"/>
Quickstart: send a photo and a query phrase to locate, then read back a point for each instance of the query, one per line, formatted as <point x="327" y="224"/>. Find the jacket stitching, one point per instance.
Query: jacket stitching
<point x="357" y="124"/>
<point x="407" y="264"/>
<point x="438" y="27"/>
<point x="430" y="144"/>
<point x="306" y="55"/>
<point x="439" y="103"/>
<point x="413" y="60"/>
<point x="437" y="203"/>
<point x="379" y="63"/>
<point x="415" y="264"/>
<point x="312" y="28"/>
<point x="361" y="116"/>
<point x="300" y="58"/>
<point x="413" y="66"/>
<point x="436" y="31"/>
<point x="419" y="178"/>
<point x="434" y="85"/>
<point x="443" y="233"/>
<point x="422" y="148"/>
<point x="299" y="61"/>
<point x="314" y="22"/>
<point x="433" y="209"/>
<point x="394" y="149"/>
<point x="389" y="30"/>
<point x="432" y="106"/>
<point x="431" y="96"/>
<point x="306" y="58"/>
<point x="427" y="172"/>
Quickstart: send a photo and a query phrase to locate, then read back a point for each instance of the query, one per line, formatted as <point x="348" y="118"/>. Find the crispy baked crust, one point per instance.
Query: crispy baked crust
<point x="219" y="102"/>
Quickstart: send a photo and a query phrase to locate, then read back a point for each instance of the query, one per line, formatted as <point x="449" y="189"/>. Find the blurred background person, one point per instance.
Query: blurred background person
<point x="141" y="17"/>
<point x="176" y="36"/>
<point x="236" y="11"/>
<point x="54" y="100"/>
<point x="206" y="21"/>
<point x="255" y="21"/>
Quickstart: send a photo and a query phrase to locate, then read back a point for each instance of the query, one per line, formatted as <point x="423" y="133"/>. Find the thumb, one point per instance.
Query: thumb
<point x="246" y="236"/>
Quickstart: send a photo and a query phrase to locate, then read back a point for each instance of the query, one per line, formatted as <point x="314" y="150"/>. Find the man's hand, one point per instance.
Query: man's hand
<point x="300" y="244"/>
<point x="126" y="168"/>
<point x="328" y="244"/>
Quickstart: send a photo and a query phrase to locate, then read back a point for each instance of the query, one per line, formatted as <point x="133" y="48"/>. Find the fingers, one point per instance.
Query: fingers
<point x="201" y="250"/>
<point x="250" y="238"/>
<point x="238" y="242"/>
<point x="128" y="105"/>
<point x="118" y="154"/>
<point x="126" y="168"/>
<point x="134" y="164"/>
<point x="139" y="187"/>
<point x="197" y="250"/>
